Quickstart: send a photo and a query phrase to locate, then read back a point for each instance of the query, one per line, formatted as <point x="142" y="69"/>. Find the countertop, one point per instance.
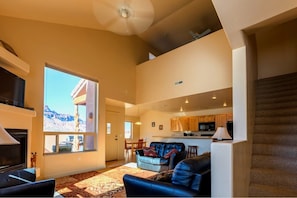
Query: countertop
<point x="185" y="137"/>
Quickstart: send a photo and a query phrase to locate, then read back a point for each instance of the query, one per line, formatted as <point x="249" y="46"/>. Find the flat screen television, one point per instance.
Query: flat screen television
<point x="12" y="88"/>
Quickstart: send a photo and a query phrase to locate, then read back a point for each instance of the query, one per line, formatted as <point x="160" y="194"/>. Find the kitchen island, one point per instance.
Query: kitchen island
<point x="203" y="142"/>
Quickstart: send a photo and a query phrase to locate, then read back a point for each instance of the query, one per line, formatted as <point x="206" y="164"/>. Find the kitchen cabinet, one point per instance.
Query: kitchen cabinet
<point x="179" y="124"/>
<point x="184" y="123"/>
<point x="221" y="120"/>
<point x="229" y="116"/>
<point x="207" y="118"/>
<point x="191" y="123"/>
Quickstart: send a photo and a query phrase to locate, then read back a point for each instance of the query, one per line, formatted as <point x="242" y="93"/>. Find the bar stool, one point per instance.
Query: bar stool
<point x="192" y="151"/>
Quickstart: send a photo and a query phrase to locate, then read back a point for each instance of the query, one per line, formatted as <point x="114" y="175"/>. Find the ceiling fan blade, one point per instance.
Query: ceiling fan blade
<point x="140" y="15"/>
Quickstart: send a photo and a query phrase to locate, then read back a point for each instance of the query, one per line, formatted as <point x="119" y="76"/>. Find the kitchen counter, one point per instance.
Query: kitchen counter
<point x="184" y="137"/>
<point x="203" y="142"/>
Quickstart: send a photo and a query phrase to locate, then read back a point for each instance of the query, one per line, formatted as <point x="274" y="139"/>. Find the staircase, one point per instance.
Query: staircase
<point x="274" y="155"/>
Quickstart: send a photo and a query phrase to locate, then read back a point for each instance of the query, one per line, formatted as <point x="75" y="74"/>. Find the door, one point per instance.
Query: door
<point x="112" y="135"/>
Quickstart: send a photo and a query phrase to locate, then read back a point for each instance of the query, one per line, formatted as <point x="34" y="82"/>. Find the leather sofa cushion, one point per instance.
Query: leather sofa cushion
<point x="153" y="160"/>
<point x="6" y="180"/>
<point x="162" y="148"/>
<point x="150" y="151"/>
<point x="188" y="171"/>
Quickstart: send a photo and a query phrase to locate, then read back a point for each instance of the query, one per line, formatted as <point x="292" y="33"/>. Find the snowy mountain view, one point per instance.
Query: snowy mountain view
<point x="58" y="122"/>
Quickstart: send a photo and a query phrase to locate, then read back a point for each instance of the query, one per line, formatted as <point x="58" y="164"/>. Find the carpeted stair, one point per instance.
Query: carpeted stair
<point x="274" y="156"/>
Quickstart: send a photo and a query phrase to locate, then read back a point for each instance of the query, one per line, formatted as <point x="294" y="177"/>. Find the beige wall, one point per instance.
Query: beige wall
<point x="84" y="52"/>
<point x="276" y="50"/>
<point x="202" y="65"/>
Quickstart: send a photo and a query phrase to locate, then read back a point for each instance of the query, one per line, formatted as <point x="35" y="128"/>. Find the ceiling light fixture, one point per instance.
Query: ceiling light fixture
<point x="214" y="97"/>
<point x="225" y="104"/>
<point x="124" y="17"/>
<point x="124" y="12"/>
<point x="181" y="109"/>
<point x="187" y="101"/>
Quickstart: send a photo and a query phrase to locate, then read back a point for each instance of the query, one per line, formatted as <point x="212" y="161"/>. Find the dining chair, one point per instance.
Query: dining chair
<point x="127" y="147"/>
<point x="139" y="144"/>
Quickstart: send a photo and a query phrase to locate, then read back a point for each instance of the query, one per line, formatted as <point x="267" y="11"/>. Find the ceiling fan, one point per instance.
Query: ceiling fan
<point x="198" y="36"/>
<point x="124" y="17"/>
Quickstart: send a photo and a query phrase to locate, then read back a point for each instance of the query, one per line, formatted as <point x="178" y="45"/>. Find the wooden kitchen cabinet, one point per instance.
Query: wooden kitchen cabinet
<point x="180" y="124"/>
<point x="193" y="123"/>
<point x="221" y="120"/>
<point x="229" y="116"/>
<point x="207" y="118"/>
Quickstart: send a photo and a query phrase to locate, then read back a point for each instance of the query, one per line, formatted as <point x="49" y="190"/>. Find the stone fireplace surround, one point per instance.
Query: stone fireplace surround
<point x="12" y="117"/>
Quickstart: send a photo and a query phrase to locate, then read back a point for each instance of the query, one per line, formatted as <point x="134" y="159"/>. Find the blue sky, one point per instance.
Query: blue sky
<point x="58" y="86"/>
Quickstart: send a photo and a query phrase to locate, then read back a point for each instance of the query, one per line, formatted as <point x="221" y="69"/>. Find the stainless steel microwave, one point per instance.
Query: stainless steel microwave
<point x="207" y="126"/>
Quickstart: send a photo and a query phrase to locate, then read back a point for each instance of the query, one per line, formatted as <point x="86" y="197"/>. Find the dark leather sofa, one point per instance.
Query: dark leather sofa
<point x="159" y="163"/>
<point x="22" y="183"/>
<point x="190" y="178"/>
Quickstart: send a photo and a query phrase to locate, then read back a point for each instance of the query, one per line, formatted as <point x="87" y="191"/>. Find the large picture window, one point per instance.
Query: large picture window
<point x="70" y="111"/>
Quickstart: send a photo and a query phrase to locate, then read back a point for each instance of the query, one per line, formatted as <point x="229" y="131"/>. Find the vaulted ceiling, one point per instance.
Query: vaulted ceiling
<point x="175" y="23"/>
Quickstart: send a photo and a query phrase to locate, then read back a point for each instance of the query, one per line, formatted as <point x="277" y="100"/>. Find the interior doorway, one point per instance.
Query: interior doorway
<point x="113" y="128"/>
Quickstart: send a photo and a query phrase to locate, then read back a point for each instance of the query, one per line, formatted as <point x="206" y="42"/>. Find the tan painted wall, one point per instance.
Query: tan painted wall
<point x="98" y="55"/>
<point x="276" y="50"/>
<point x="202" y="65"/>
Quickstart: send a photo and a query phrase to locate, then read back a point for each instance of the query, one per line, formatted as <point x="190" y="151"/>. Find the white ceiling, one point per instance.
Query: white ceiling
<point x="173" y="21"/>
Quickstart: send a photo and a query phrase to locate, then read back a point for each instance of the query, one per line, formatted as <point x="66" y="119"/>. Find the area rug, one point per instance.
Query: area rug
<point x="101" y="183"/>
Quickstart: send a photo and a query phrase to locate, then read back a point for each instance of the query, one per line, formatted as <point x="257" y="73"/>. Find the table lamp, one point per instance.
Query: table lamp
<point x="6" y="138"/>
<point x="221" y="134"/>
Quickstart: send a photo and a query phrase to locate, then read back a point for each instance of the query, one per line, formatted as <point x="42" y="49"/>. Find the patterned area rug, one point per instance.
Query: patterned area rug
<point x="101" y="183"/>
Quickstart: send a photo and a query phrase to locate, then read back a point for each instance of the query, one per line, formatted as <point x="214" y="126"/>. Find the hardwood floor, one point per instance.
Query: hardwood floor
<point x="129" y="157"/>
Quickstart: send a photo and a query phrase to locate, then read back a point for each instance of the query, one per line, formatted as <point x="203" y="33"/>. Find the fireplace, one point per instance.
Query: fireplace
<point x="14" y="157"/>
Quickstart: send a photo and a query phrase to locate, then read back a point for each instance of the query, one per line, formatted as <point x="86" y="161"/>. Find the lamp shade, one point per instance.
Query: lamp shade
<point x="124" y="17"/>
<point x="5" y="138"/>
<point x="222" y="134"/>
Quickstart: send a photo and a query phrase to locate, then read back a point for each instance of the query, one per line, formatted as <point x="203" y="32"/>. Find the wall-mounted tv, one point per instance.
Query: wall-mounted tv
<point x="12" y="88"/>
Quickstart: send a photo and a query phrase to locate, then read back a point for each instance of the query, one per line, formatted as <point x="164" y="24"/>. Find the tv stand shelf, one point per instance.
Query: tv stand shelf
<point x="9" y="59"/>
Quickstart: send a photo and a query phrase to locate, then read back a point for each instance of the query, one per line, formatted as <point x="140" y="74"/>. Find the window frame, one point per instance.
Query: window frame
<point x="85" y="134"/>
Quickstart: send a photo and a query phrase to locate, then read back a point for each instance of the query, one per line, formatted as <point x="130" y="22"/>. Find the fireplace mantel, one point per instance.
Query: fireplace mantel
<point x="16" y="117"/>
<point x="17" y="110"/>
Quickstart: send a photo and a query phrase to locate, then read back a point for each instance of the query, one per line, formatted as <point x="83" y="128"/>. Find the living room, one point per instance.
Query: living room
<point x="87" y="52"/>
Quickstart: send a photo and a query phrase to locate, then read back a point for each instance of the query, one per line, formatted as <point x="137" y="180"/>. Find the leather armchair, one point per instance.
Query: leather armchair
<point x="190" y="178"/>
<point x="22" y="183"/>
<point x="159" y="163"/>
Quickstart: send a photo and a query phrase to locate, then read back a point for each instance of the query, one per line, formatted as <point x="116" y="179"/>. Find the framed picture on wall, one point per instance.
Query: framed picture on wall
<point x="160" y="127"/>
<point x="153" y="124"/>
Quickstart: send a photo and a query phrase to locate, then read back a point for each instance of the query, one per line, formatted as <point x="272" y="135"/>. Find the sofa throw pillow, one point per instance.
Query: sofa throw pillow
<point x="167" y="155"/>
<point x="150" y="151"/>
